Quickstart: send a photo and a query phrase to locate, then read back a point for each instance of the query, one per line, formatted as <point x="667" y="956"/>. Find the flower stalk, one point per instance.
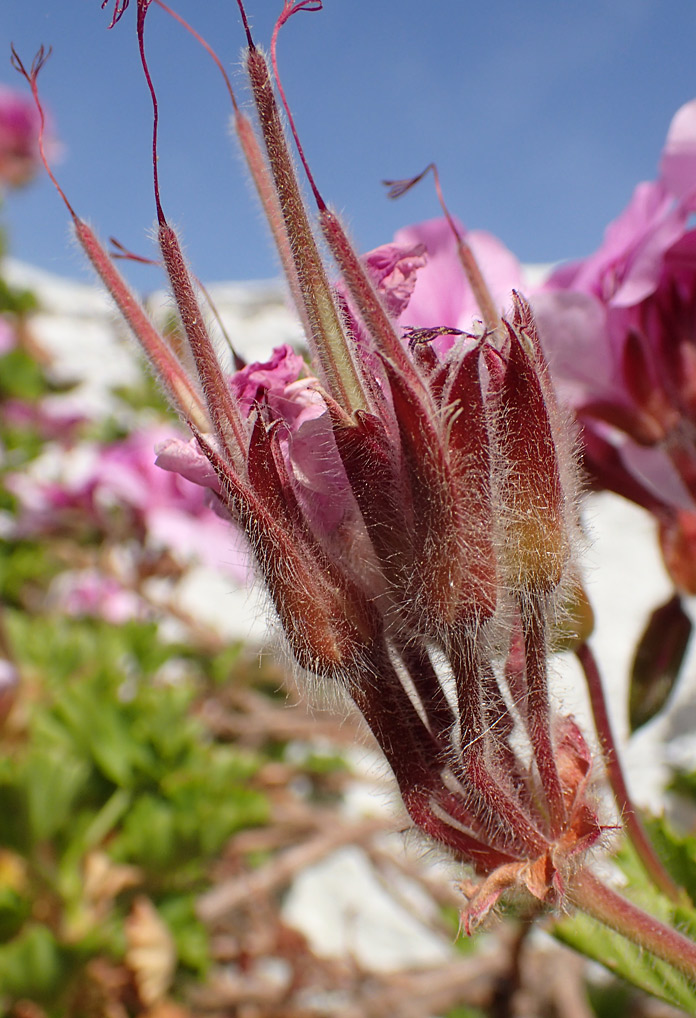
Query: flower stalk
<point x="614" y="911"/>
<point x="629" y="815"/>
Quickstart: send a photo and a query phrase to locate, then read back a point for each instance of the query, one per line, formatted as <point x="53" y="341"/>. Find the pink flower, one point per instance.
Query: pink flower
<point x="90" y="593"/>
<point x="442" y="294"/>
<point x="53" y="421"/>
<point x="117" y="489"/>
<point x="19" y="132"/>
<point x="619" y="330"/>
<point x="8" y="338"/>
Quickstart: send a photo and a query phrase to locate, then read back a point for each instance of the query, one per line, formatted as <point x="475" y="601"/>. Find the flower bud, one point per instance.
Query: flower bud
<point x="536" y="543"/>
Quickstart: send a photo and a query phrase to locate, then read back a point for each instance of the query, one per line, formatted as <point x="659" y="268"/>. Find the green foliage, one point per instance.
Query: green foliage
<point x="625" y="959"/>
<point x="14" y="301"/>
<point x="31" y="964"/>
<point x="109" y="759"/>
<point x="25" y="565"/>
<point x="147" y="395"/>
<point x="21" y="377"/>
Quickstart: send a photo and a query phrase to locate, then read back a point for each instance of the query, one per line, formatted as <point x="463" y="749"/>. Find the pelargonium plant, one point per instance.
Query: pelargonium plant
<point x="411" y="503"/>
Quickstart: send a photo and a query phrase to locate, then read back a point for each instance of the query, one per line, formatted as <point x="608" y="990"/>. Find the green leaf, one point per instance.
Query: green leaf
<point x="627" y="960"/>
<point x="100" y="724"/>
<point x="52" y="783"/>
<point x="15" y="829"/>
<point x="21" y="377"/>
<point x="31" y="964"/>
<point x="14" y="910"/>
<point x="678" y="853"/>
<point x="189" y="933"/>
<point x="148" y="837"/>
<point x="17" y="301"/>
<point x="22" y="564"/>
<point x="658" y="660"/>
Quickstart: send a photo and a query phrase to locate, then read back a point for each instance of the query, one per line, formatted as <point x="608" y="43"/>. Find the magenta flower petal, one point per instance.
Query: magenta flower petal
<point x="271" y="376"/>
<point x="627" y="266"/>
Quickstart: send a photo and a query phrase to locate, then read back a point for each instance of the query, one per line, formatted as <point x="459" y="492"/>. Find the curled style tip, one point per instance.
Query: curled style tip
<point x="489" y="312"/>
<point x="120" y="251"/>
<point x="120" y="8"/>
<point x="40" y="58"/>
<point x="291" y="8"/>
<point x="31" y="77"/>
<point x="399" y="187"/>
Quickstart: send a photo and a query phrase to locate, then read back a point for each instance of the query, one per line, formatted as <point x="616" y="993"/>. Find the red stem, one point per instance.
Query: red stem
<point x="538" y="710"/>
<point x="602" y="903"/>
<point x="632" y="822"/>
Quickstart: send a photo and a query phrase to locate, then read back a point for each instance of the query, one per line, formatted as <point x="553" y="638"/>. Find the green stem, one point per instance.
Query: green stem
<point x="620" y="915"/>
<point x="629" y="815"/>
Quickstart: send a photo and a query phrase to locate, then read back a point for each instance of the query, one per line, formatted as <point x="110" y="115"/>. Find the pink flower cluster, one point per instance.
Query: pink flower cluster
<point x="116" y="489"/>
<point x="619" y="330"/>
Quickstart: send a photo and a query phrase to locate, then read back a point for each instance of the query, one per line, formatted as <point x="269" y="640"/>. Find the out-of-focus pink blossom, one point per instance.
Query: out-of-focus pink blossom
<point x="119" y="489"/>
<point x="8" y="337"/>
<point x="53" y="422"/>
<point x="87" y="592"/>
<point x="620" y="331"/>
<point x="442" y="295"/>
<point x="19" y="133"/>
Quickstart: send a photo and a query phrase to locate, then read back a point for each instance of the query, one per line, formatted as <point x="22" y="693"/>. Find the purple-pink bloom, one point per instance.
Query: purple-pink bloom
<point x="117" y="488"/>
<point x="52" y="421"/>
<point x="8" y="337"/>
<point x="619" y="331"/>
<point x="442" y="294"/>
<point x="19" y="133"/>
<point x="90" y="593"/>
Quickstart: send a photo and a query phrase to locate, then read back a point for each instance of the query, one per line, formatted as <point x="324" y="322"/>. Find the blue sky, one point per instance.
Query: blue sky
<point x="541" y="115"/>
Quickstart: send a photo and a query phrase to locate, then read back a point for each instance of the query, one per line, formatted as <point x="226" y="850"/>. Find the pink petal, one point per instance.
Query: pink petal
<point x="283" y="368"/>
<point x="574" y="334"/>
<point x="394" y="269"/>
<point x="186" y="458"/>
<point x="678" y="164"/>
<point x="442" y="295"/>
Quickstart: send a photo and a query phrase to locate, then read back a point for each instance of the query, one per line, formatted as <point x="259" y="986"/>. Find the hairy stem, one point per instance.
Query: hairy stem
<point x="602" y="903"/>
<point x="538" y="710"/>
<point x="632" y="822"/>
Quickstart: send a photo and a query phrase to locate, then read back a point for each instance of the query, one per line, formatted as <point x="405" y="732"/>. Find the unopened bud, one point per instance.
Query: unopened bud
<point x="536" y="543"/>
